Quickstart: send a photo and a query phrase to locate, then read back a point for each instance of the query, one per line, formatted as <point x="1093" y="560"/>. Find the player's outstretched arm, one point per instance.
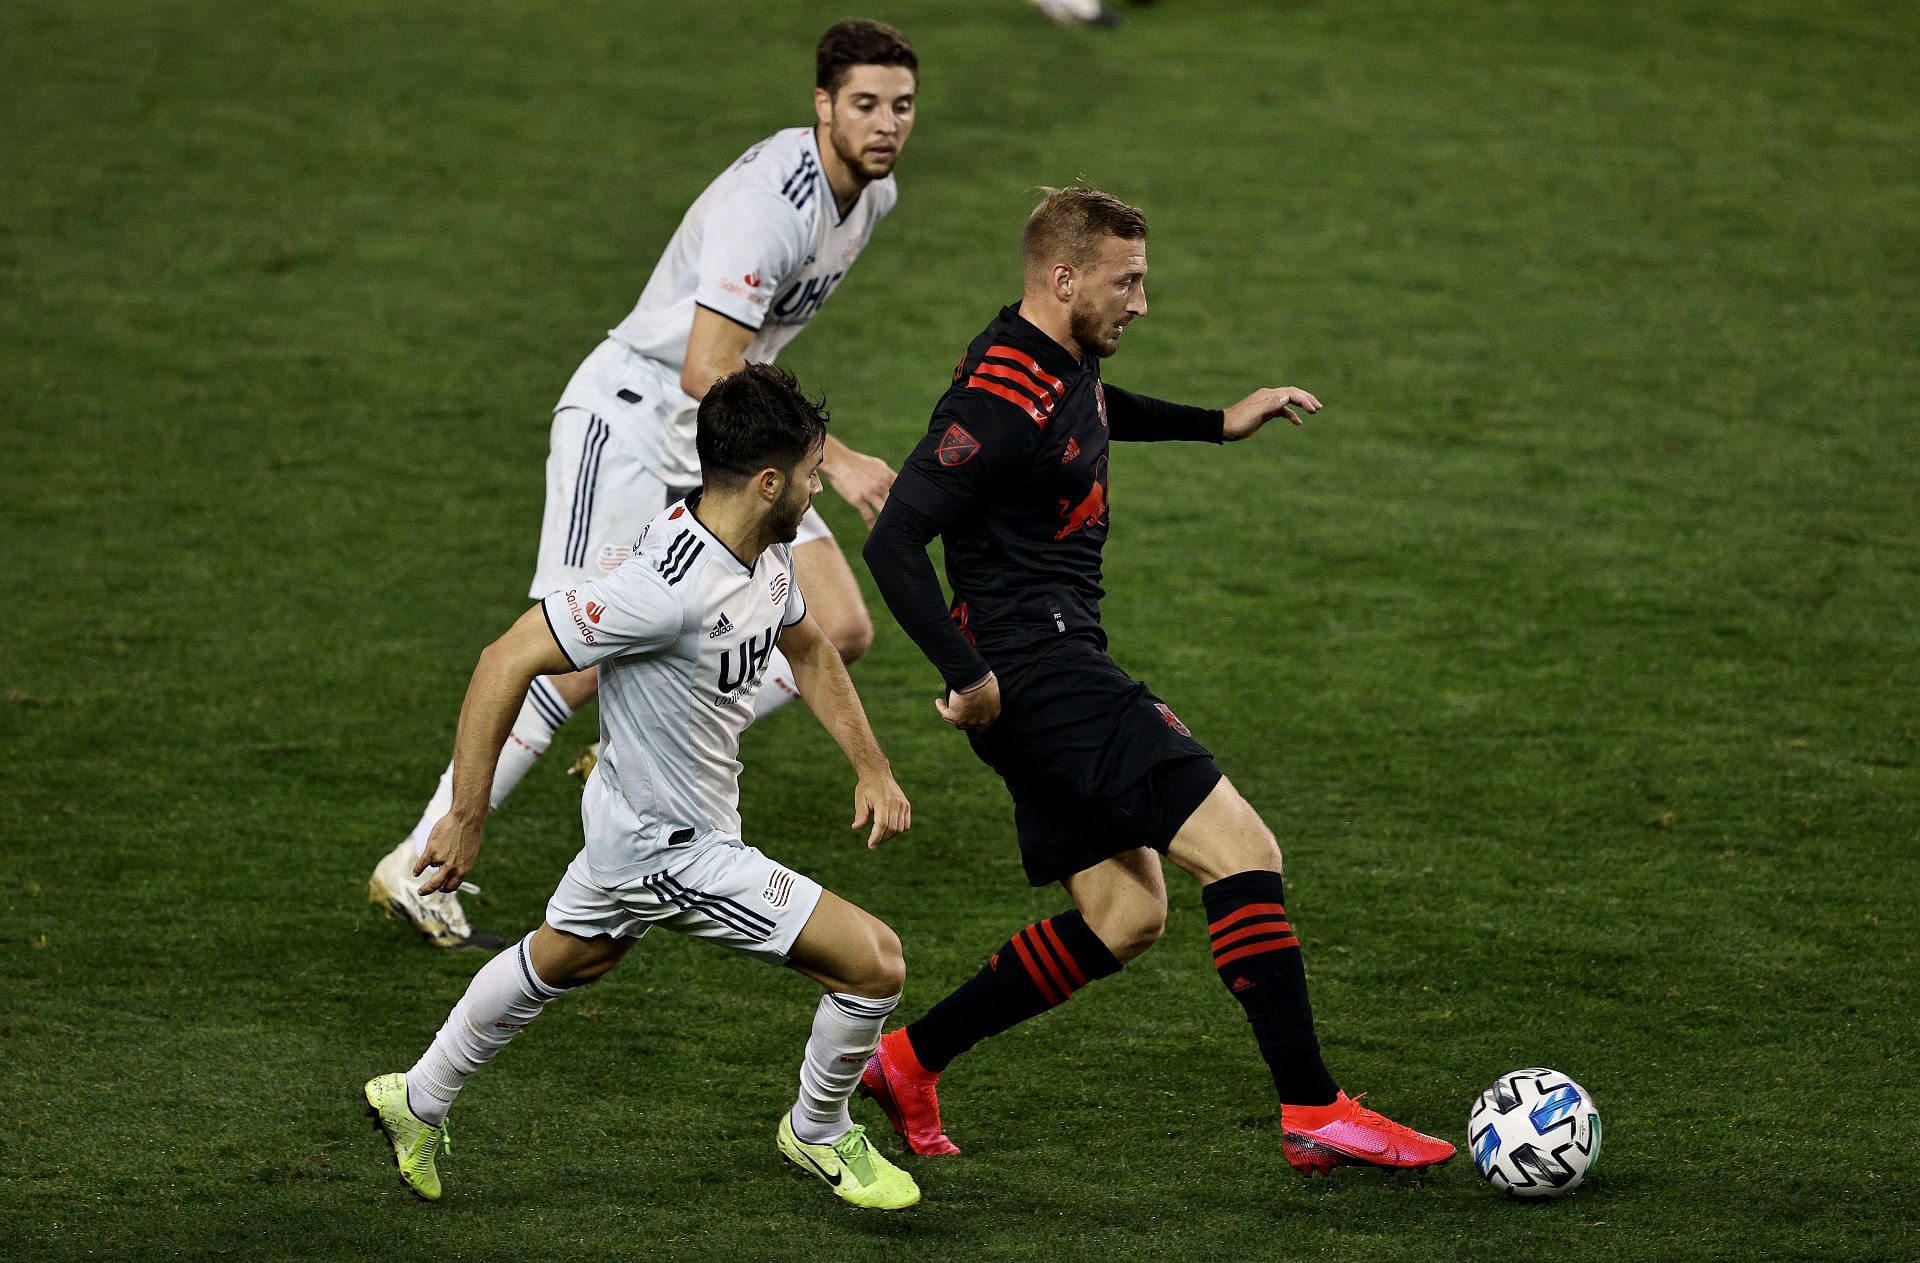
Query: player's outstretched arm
<point x="499" y="685"/>
<point x="862" y="480"/>
<point x="717" y="346"/>
<point x="823" y="681"/>
<point x="1245" y="418"/>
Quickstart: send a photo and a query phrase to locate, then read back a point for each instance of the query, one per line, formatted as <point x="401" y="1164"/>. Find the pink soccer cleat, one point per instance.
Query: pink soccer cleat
<point x="896" y="1081"/>
<point x="1318" y="1138"/>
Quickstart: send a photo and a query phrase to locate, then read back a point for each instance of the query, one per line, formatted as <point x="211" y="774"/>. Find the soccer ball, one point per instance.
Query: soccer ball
<point x="1535" y="1133"/>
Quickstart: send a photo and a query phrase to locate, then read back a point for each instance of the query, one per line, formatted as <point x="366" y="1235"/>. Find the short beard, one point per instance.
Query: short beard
<point x="854" y="160"/>
<point x="1094" y="335"/>
<point x="787" y="524"/>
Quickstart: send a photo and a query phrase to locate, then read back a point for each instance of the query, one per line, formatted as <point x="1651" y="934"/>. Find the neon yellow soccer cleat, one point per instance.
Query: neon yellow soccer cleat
<point x="852" y="1167"/>
<point x="414" y="1142"/>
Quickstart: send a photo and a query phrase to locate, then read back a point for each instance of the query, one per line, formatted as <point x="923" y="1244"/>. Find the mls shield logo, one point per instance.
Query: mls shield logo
<point x="957" y="447"/>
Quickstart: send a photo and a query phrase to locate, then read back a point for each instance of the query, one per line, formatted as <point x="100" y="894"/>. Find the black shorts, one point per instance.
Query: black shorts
<point x="1095" y="762"/>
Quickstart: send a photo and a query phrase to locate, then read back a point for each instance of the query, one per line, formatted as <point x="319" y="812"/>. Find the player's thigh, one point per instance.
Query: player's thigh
<point x="601" y="492"/>
<point x="1124" y="899"/>
<point x="833" y="595"/>
<point x="1224" y="836"/>
<point x="846" y="948"/>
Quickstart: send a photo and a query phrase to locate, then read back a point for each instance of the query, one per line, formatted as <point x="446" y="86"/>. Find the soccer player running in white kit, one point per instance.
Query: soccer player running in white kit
<point x="683" y="632"/>
<point x="752" y="261"/>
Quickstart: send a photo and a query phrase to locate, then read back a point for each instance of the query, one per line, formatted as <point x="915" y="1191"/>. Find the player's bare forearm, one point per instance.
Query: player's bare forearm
<point x="1245" y="418"/>
<point x="828" y="690"/>
<point x="494" y="694"/>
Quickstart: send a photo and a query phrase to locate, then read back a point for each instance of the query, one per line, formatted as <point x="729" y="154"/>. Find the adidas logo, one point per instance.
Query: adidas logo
<point x="720" y="628"/>
<point x="1241" y="984"/>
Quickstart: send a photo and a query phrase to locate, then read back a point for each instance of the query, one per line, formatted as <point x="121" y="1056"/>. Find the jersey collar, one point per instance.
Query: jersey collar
<point x="1012" y="327"/>
<point x="692" y="501"/>
<point x="826" y="185"/>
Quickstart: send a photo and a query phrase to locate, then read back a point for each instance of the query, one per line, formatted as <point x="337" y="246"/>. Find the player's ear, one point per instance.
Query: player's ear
<point x="823" y="105"/>
<point x="770" y="484"/>
<point x="1063" y="280"/>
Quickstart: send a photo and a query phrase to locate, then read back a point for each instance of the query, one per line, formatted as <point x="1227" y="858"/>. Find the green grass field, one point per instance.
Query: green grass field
<point x="1571" y="652"/>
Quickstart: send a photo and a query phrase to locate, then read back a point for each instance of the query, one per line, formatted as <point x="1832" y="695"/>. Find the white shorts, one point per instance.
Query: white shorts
<point x="603" y="458"/>
<point x="728" y="893"/>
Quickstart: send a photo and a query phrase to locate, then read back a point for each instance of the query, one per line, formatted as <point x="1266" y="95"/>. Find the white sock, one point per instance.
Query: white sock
<point x="541" y="715"/>
<point x="504" y="996"/>
<point x="846" y="1030"/>
<point x="776" y="686"/>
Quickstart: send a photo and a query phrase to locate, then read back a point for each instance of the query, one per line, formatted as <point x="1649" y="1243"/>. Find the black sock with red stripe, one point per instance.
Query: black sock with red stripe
<point x="1258" y="957"/>
<point x="1037" y="969"/>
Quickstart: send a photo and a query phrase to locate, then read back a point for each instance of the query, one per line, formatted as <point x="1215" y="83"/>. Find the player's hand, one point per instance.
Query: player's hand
<point x="1245" y="418"/>
<point x="453" y="848"/>
<point x="975" y="708"/>
<point x="862" y="480"/>
<point x="878" y="797"/>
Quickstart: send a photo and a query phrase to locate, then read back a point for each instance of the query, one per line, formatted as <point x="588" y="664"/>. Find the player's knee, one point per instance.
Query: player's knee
<point x="854" y="637"/>
<point x="1258" y="847"/>
<point x="1239" y="842"/>
<point x="884" y="972"/>
<point x="584" y="974"/>
<point x="566" y="961"/>
<point x="1131" y="934"/>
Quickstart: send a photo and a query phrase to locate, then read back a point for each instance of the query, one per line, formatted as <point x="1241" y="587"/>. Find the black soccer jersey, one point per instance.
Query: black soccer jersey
<point x="1012" y="475"/>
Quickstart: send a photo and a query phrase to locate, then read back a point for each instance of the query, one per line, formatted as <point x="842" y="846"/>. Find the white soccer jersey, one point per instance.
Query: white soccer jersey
<point x="681" y="632"/>
<point x="763" y="246"/>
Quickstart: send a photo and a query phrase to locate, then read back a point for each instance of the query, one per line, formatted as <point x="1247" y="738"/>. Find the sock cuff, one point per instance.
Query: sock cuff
<point x="1256" y="885"/>
<point x="1061" y="955"/>
<point x="546" y="702"/>
<point x="1081" y="944"/>
<point x="864" y="1008"/>
<point x="530" y="979"/>
<point x="1247" y="916"/>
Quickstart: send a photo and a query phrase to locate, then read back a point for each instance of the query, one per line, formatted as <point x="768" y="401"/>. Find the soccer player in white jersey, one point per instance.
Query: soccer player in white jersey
<point x="683" y="630"/>
<point x="752" y="261"/>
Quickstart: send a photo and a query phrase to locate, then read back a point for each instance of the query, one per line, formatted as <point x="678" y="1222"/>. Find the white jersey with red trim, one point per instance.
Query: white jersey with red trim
<point x="763" y="246"/>
<point x="682" y="632"/>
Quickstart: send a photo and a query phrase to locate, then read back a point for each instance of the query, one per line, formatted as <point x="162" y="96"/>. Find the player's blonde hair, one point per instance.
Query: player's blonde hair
<point x="1069" y="224"/>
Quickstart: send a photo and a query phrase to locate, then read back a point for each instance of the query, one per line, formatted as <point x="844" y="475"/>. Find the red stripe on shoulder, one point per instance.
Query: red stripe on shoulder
<point x="1013" y="397"/>
<point x="1014" y="377"/>
<point x="1027" y="362"/>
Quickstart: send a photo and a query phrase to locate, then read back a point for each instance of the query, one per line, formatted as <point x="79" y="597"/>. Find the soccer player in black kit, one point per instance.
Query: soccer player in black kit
<point x="1105" y="779"/>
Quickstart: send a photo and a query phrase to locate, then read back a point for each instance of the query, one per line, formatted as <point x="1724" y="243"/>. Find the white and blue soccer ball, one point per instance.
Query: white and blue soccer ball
<point x="1534" y="1133"/>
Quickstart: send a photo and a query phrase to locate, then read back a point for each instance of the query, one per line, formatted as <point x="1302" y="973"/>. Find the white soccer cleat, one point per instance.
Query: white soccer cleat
<point x="438" y="916"/>
<point x="1076" y="12"/>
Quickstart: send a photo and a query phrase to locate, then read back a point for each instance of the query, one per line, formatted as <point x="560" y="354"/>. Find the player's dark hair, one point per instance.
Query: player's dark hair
<point x="859" y="42"/>
<point x="756" y="419"/>
<point x="1069" y="224"/>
